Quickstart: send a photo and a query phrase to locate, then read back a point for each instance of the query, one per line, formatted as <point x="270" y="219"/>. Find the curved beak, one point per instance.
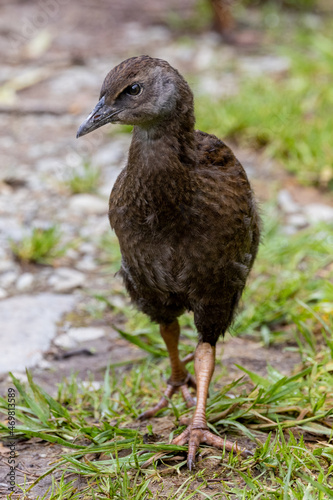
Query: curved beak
<point x="101" y="115"/>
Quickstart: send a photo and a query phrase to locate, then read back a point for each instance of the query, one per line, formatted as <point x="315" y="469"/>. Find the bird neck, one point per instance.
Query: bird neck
<point x="164" y="146"/>
<point x="159" y="165"/>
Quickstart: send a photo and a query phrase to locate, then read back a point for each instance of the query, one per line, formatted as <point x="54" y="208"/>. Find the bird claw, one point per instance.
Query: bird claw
<point x="169" y="392"/>
<point x="196" y="436"/>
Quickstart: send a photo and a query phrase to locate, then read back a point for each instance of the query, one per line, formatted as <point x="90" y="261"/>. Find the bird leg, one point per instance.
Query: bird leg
<point x="180" y="378"/>
<point x="197" y="432"/>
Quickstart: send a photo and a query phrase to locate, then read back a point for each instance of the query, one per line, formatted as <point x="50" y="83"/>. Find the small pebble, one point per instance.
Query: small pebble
<point x="25" y="282"/>
<point x="72" y="254"/>
<point x="7" y="279"/>
<point x="94" y="385"/>
<point x="21" y="376"/>
<point x="86" y="264"/>
<point x="88" y="204"/>
<point x="83" y="334"/>
<point x="6" y="265"/>
<point x="66" y="280"/>
<point x="64" y="341"/>
<point x="318" y="212"/>
<point x="297" y="220"/>
<point x="44" y="364"/>
<point x="87" y="248"/>
<point x="286" y="202"/>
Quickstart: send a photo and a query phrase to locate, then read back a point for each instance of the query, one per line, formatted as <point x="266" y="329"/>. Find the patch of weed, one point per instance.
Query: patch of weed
<point x="42" y="246"/>
<point x="287" y="116"/>
<point x="86" y="179"/>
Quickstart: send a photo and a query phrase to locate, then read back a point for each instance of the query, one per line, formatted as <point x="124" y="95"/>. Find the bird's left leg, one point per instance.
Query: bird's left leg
<point x="180" y="378"/>
<point x="197" y="432"/>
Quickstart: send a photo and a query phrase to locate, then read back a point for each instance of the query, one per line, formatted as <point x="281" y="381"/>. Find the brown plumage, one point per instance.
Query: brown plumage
<point x="186" y="221"/>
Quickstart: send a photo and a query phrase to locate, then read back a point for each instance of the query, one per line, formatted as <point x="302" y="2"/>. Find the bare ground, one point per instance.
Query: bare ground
<point x="82" y="40"/>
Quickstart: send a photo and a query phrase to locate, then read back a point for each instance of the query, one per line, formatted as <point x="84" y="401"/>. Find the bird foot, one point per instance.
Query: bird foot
<point x="196" y="436"/>
<point x="169" y="392"/>
<point x="172" y="387"/>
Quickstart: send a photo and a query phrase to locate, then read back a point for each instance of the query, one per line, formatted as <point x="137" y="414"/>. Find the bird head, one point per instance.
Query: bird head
<point x="140" y="91"/>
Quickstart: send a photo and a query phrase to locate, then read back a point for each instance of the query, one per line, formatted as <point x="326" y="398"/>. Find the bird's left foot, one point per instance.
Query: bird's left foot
<point x="172" y="387"/>
<point x="196" y="436"/>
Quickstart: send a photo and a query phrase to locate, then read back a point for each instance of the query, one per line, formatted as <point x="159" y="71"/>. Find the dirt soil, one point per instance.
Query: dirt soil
<point x="67" y="48"/>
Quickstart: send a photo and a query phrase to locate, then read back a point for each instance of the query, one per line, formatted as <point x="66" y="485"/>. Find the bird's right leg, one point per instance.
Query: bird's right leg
<point x="180" y="378"/>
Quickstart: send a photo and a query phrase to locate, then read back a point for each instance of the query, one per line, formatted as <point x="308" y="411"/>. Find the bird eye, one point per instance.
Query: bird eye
<point x="134" y="89"/>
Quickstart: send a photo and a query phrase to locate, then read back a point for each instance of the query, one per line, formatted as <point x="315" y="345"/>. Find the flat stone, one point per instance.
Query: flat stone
<point x="83" y="334"/>
<point x="44" y="364"/>
<point x="21" y="376"/>
<point x="66" y="279"/>
<point x="256" y="65"/>
<point x="86" y="264"/>
<point x="27" y="325"/>
<point x="318" y="212"/>
<point x="87" y="248"/>
<point x="72" y="254"/>
<point x="88" y="204"/>
<point x="6" y="265"/>
<point x="118" y="301"/>
<point x="64" y="341"/>
<point x="286" y="202"/>
<point x="112" y="153"/>
<point x="25" y="282"/>
<point x="91" y="385"/>
<point x="297" y="220"/>
<point x="7" y="279"/>
<point x="10" y="228"/>
<point x="95" y="228"/>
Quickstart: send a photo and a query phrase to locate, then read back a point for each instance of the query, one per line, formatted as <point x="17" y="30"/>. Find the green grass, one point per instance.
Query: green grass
<point x="302" y="5"/>
<point x="200" y="17"/>
<point x="86" y="179"/>
<point x="290" y="283"/>
<point x="288" y="302"/>
<point x="116" y="460"/>
<point x="290" y="117"/>
<point x="42" y="246"/>
<point x="288" y="419"/>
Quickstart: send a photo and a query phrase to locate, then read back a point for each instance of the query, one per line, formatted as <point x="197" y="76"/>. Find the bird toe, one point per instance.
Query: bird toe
<point x="194" y="437"/>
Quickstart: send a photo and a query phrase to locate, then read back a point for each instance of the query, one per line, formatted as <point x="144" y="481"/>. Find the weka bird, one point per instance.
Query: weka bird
<point x="186" y="221"/>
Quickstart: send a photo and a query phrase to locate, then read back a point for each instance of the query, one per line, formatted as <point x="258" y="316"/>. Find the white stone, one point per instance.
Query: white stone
<point x="6" y="265"/>
<point x="95" y="228"/>
<point x="21" y="376"/>
<point x="297" y="220"/>
<point x="54" y="165"/>
<point x="112" y="153"/>
<point x="204" y="58"/>
<point x="83" y="334"/>
<point x="7" y="279"/>
<point x="44" y="364"/>
<point x="92" y="385"/>
<point x="219" y="87"/>
<point x="25" y="282"/>
<point x="3" y="293"/>
<point x="256" y="65"/>
<point x="72" y="254"/>
<point x="27" y="326"/>
<point x="66" y="279"/>
<point x="87" y="248"/>
<point x="286" y="202"/>
<point x="86" y="264"/>
<point x="318" y="212"/>
<point x="118" y="301"/>
<point x="64" y="341"/>
<point x="88" y="204"/>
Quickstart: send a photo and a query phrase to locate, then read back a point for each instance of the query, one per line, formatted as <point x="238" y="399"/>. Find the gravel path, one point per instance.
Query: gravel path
<point x="54" y="64"/>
